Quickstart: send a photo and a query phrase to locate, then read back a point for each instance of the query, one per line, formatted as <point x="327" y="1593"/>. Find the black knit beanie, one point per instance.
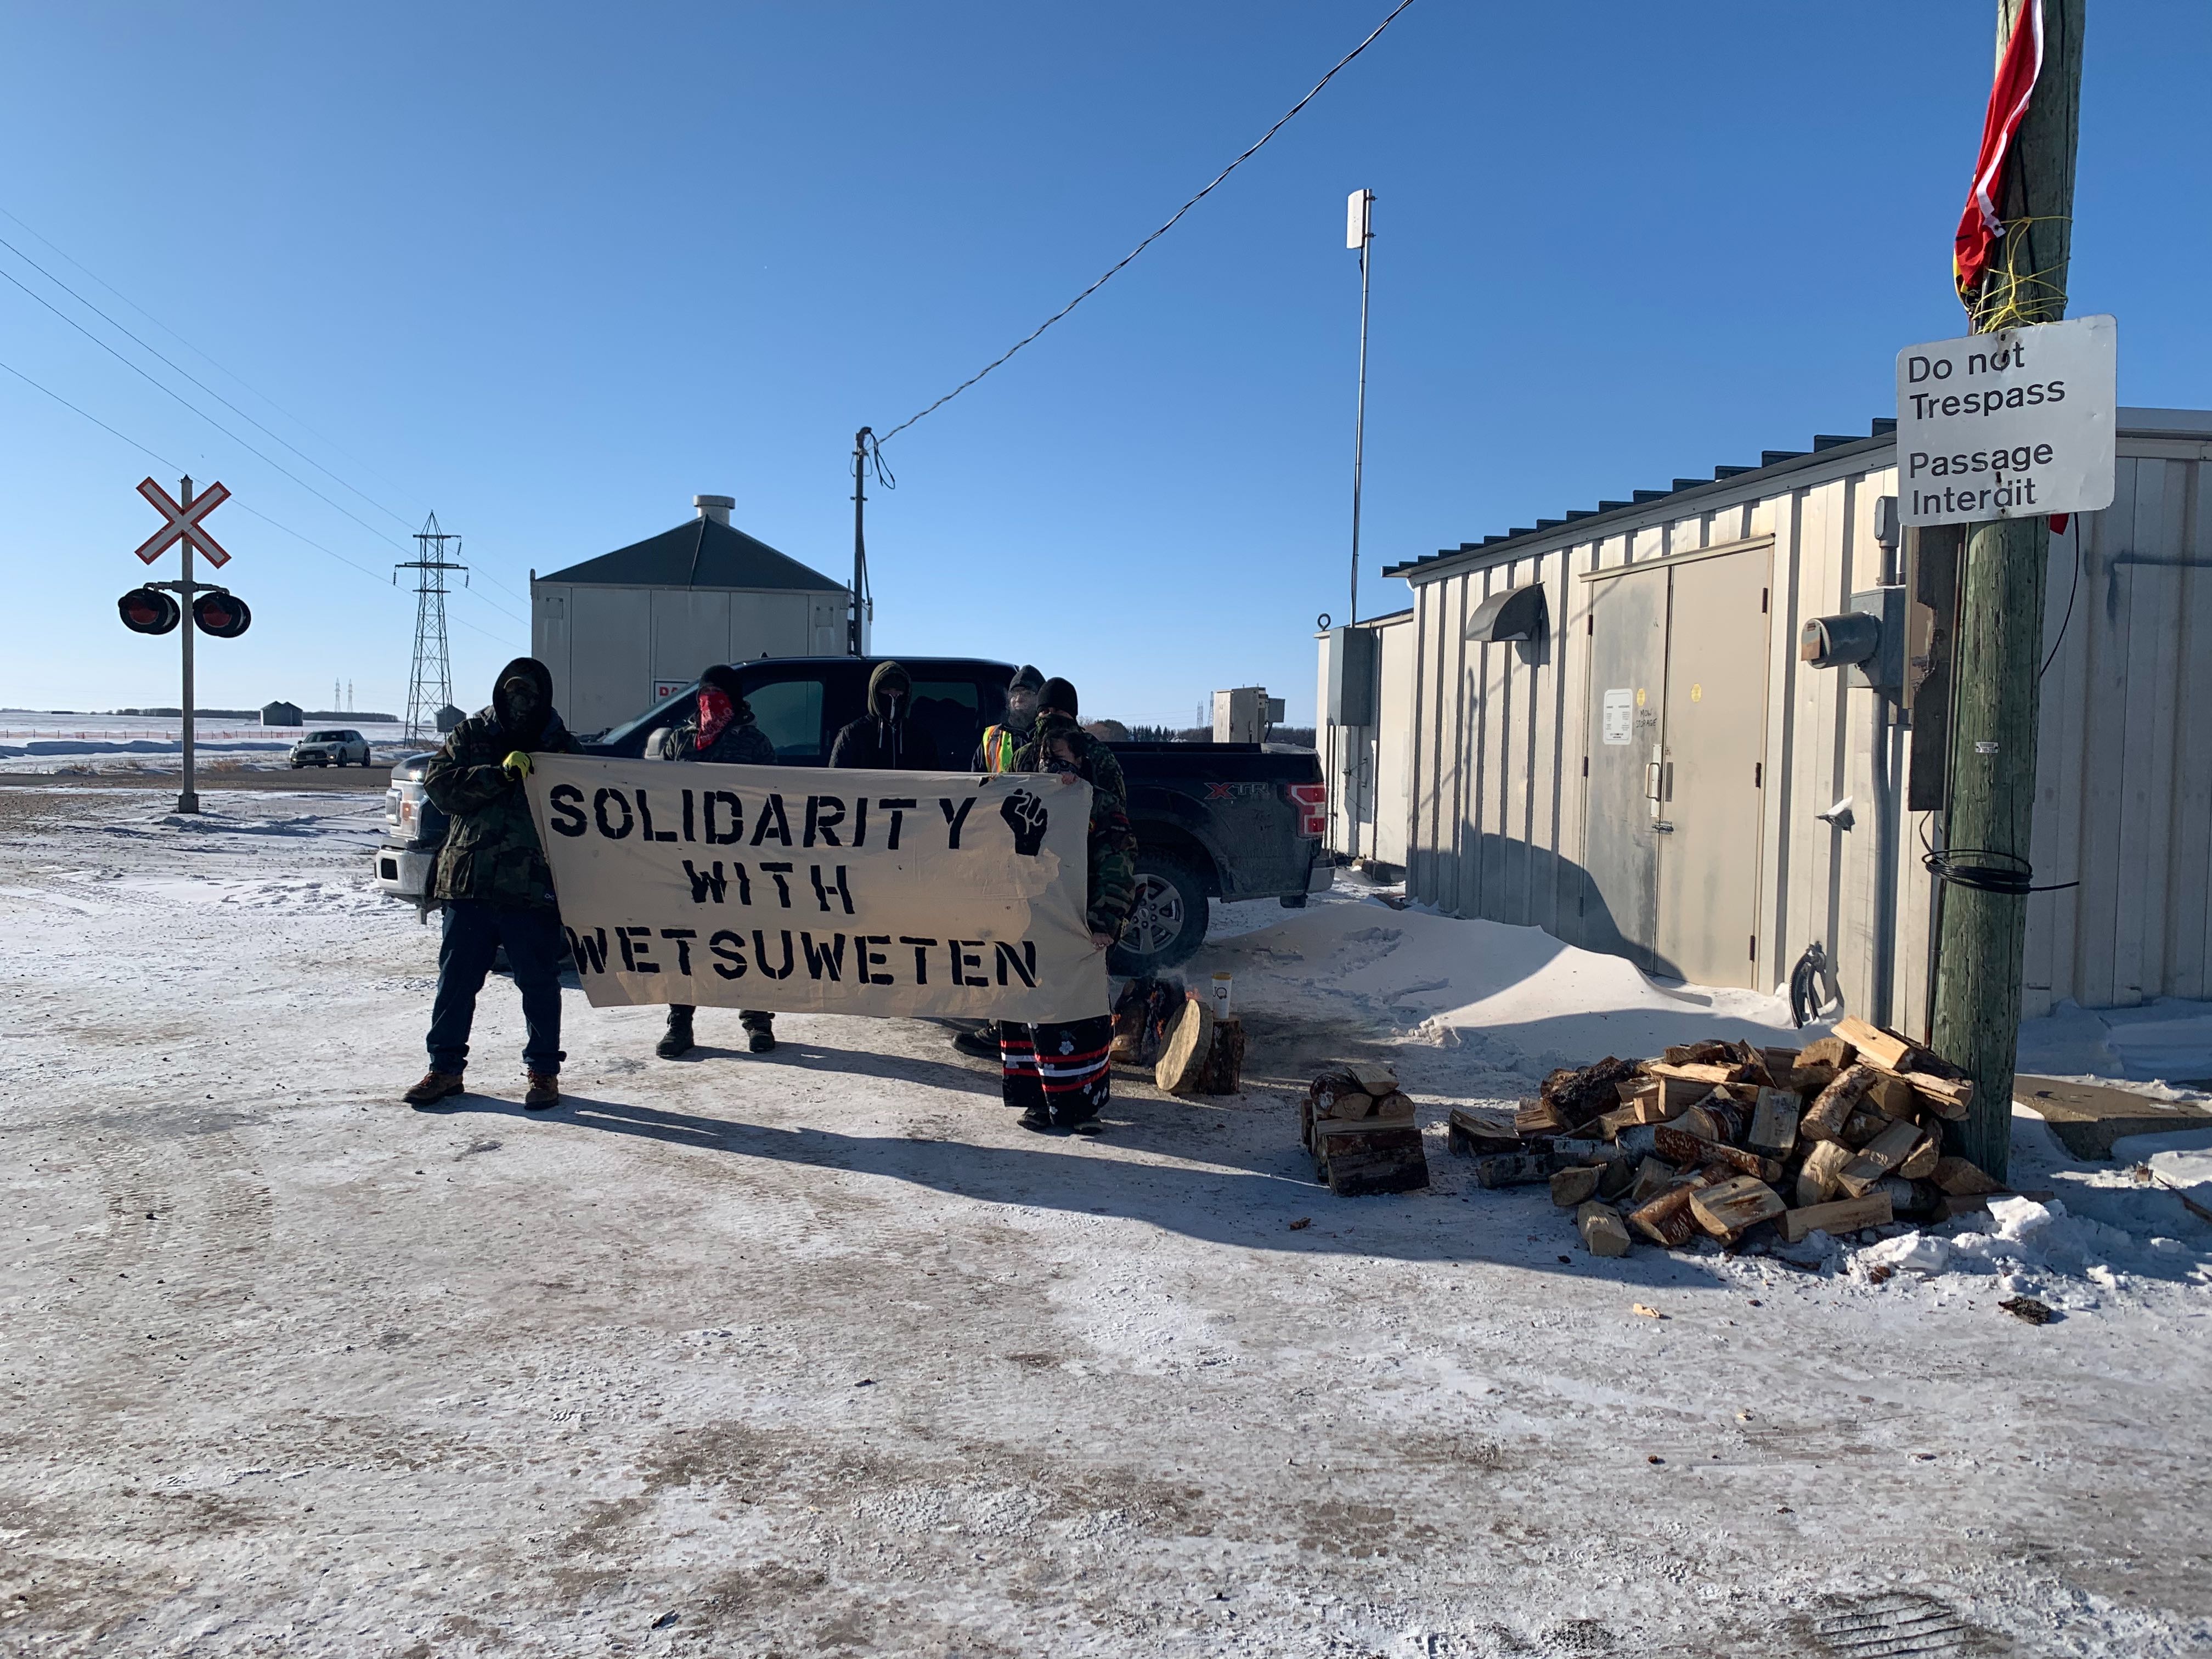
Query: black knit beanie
<point x="1059" y="695"/>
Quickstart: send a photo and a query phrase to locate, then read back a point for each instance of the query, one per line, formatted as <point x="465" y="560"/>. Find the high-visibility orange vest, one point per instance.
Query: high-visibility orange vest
<point x="1001" y="743"/>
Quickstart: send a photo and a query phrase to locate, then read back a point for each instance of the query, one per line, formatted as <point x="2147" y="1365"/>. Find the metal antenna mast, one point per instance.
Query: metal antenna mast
<point x="430" y="681"/>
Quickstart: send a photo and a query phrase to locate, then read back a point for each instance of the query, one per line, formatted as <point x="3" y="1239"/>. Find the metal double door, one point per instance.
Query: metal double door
<point x="1676" y="753"/>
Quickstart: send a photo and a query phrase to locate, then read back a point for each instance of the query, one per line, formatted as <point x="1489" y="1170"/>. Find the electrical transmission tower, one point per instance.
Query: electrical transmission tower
<point x="430" y="681"/>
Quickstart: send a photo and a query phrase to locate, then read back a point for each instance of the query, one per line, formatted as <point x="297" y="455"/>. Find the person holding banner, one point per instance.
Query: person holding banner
<point x="494" y="882"/>
<point x="1058" y="1074"/>
<point x="886" y="738"/>
<point x="995" y="754"/>
<point x="721" y="730"/>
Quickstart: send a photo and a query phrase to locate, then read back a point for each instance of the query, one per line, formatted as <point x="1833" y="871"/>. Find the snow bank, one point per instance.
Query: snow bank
<point x="1441" y="977"/>
<point x="2163" y="1041"/>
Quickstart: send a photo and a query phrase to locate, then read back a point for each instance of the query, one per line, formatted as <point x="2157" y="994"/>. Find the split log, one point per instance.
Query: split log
<point x="1476" y="1132"/>
<point x="1654" y="1175"/>
<point x="1884" y="1048"/>
<point x="1962" y="1177"/>
<point x="1878" y="1158"/>
<point x="1774" y="1123"/>
<point x="1695" y="1054"/>
<point x="1848" y="1215"/>
<point x="1717" y="1117"/>
<point x="1816" y="1176"/>
<point x="1541" y="1117"/>
<point x="1374" y="1078"/>
<point x="1824" y="1118"/>
<point x="1223" y="1073"/>
<point x="1603" y="1231"/>
<point x="1358" y="1161"/>
<point x="1952" y="1205"/>
<point x="1726" y="1208"/>
<point x="1807" y="1081"/>
<point x="1862" y="1126"/>
<point x="1577" y="1185"/>
<point x="1710" y="1074"/>
<point x="1189" y="1041"/>
<point x="1918" y="1200"/>
<point x="1513" y="1168"/>
<point x="1395" y="1111"/>
<point x="1828" y="1051"/>
<point x="1780" y="1062"/>
<point x="1920" y="1163"/>
<point x="1945" y="1097"/>
<point x="1666" y="1220"/>
<point x="1680" y="1146"/>
<point x="1892" y="1096"/>
<point x="1580" y="1093"/>
<point x="1619" y="1174"/>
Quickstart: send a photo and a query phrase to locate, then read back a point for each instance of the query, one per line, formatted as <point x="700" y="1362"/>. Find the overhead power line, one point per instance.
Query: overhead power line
<point x="176" y="466"/>
<point x="1114" y="270"/>
<point x="64" y="255"/>
<point x="243" y="414"/>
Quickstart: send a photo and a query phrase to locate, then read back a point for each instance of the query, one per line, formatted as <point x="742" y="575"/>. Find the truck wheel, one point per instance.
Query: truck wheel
<point x="1167" y="922"/>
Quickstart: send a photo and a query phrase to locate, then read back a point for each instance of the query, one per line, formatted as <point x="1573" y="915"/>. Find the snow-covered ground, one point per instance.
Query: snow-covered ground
<point x="32" y="740"/>
<point x="816" y="1353"/>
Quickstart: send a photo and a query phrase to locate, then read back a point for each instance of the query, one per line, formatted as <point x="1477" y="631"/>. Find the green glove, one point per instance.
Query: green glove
<point x="516" y="766"/>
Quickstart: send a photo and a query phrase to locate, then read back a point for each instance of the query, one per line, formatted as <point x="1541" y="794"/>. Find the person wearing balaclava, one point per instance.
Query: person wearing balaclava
<point x="1002" y="742"/>
<point x="493" y="884"/>
<point x="886" y="738"/>
<point x="720" y="730"/>
<point x="1058" y="1072"/>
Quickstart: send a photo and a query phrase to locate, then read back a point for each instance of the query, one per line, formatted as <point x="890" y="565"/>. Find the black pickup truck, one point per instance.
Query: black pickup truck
<point x="1213" y="820"/>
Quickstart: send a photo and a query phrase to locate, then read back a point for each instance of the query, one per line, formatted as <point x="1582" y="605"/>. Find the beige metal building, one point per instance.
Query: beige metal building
<point x="623" y="631"/>
<point x="1600" y="726"/>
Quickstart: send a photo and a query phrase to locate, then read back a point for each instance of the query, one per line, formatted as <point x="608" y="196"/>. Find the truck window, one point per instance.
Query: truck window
<point x="948" y="711"/>
<point x="790" y="712"/>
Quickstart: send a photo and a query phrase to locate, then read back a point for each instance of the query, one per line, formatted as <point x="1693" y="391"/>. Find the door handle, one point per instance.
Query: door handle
<point x="1659" y="826"/>
<point x="1667" y="782"/>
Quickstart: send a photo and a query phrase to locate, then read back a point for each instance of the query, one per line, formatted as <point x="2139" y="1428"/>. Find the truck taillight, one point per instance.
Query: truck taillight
<point x="1312" y="801"/>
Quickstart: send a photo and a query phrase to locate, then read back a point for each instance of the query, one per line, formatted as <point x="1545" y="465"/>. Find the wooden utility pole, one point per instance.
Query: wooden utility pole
<point x="2000" y="632"/>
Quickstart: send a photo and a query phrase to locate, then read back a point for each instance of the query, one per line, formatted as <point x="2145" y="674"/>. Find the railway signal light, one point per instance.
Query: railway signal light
<point x="223" y="615"/>
<point x="148" y="610"/>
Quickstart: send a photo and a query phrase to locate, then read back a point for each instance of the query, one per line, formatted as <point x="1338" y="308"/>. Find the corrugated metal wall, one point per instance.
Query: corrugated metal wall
<point x="1495" y="800"/>
<point x="1369" y="768"/>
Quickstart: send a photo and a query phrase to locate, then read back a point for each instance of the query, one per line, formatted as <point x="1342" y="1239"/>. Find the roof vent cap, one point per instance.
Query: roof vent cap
<point x="716" y="509"/>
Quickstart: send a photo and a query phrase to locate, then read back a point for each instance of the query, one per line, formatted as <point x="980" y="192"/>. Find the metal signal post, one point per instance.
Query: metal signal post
<point x="186" y="526"/>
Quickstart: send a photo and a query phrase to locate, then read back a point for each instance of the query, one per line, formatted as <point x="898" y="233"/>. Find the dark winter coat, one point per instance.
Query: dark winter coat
<point x="881" y="740"/>
<point x="491" y="852"/>
<point x="1113" y="887"/>
<point x="741" y="742"/>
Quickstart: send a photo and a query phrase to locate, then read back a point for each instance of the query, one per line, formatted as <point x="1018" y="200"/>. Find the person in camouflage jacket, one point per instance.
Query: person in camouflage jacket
<point x="720" y="730"/>
<point x="493" y="883"/>
<point x="1059" y="1073"/>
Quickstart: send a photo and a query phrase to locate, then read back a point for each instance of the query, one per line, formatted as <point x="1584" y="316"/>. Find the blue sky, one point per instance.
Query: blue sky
<point x="552" y="269"/>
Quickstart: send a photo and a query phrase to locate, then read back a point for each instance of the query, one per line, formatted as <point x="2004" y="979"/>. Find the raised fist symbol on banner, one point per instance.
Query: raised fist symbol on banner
<point x="1025" y="816"/>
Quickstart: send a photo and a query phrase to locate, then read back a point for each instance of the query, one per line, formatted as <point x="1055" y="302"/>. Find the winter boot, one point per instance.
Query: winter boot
<point x="676" y="1040"/>
<point x="435" y="1087"/>
<point x="980" y="1041"/>
<point x="762" y="1041"/>
<point x="1039" y="1118"/>
<point x="545" y="1093"/>
<point x="759" y="1030"/>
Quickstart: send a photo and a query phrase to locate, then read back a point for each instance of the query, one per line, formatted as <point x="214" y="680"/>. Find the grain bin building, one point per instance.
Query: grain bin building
<point x="1600" y="726"/>
<point x="623" y="631"/>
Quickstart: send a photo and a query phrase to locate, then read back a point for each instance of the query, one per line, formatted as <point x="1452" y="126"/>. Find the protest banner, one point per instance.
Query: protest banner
<point x="886" y="893"/>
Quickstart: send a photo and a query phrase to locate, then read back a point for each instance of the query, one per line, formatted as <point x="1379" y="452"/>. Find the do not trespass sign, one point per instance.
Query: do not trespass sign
<point x="2007" y="425"/>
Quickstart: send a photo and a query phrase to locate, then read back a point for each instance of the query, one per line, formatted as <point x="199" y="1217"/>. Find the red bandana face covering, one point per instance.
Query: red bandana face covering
<point x="716" y="712"/>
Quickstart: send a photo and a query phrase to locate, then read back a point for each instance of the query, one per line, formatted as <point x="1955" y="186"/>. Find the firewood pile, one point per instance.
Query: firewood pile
<point x="1359" y="1126"/>
<point x="1721" y="1138"/>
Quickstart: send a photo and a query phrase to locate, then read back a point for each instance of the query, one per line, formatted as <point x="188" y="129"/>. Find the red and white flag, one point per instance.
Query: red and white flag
<point x="1979" y="226"/>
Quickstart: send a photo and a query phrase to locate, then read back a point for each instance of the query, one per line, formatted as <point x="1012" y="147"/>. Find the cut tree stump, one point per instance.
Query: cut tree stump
<point x="1358" y="1161"/>
<point x="1223" y="1072"/>
<point x="1190" y="1040"/>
